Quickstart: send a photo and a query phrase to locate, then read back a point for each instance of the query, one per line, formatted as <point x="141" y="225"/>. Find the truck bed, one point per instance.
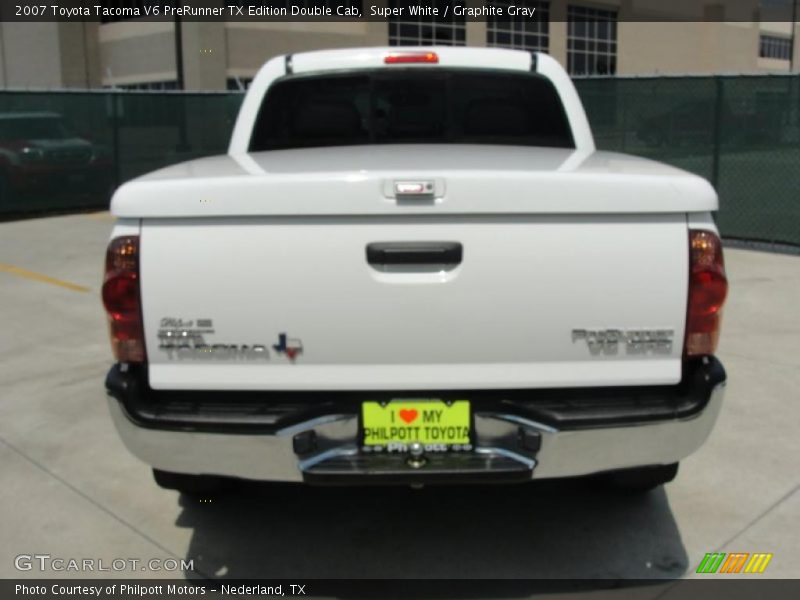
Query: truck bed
<point x="351" y="180"/>
<point x="554" y="244"/>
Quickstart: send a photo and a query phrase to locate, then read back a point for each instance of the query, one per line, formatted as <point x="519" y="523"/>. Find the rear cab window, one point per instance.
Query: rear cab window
<point x="414" y="106"/>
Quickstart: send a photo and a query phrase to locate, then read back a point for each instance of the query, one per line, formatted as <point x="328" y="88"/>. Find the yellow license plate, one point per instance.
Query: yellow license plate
<point x="423" y="421"/>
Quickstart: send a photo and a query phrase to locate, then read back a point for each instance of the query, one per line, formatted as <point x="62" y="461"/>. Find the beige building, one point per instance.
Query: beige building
<point x="592" y="37"/>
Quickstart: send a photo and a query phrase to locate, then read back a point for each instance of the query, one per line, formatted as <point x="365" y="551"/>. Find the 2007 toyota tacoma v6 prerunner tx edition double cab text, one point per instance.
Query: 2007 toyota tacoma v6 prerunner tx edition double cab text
<point x="413" y="267"/>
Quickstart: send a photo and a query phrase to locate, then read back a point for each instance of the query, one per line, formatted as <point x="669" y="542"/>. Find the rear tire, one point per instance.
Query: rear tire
<point x="642" y="479"/>
<point x="190" y="484"/>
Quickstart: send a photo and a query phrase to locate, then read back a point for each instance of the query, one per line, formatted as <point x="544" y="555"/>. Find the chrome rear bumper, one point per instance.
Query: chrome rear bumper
<point x="560" y="453"/>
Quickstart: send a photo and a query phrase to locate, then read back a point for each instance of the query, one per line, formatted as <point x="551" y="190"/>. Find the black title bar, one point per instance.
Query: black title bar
<point x="109" y="11"/>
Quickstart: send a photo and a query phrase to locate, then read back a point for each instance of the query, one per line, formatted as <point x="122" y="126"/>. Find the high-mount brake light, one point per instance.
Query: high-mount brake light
<point x="404" y="58"/>
<point x="708" y="288"/>
<point x="122" y="299"/>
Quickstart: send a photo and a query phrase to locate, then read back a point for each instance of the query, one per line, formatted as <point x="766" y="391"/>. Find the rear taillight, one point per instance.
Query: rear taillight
<point x="405" y="58"/>
<point x="708" y="287"/>
<point x="122" y="299"/>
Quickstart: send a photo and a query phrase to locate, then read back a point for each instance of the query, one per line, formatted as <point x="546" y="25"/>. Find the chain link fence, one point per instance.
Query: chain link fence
<point x="62" y="151"/>
<point x="742" y="133"/>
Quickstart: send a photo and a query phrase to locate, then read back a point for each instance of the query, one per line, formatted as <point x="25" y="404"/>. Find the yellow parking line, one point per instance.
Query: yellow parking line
<point x="101" y="216"/>
<point x="42" y="278"/>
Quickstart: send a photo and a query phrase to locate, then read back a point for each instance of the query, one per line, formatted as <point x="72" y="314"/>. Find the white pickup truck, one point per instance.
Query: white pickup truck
<point x="413" y="267"/>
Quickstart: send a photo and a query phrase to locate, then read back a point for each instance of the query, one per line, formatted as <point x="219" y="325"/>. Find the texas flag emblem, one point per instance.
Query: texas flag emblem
<point x="291" y="347"/>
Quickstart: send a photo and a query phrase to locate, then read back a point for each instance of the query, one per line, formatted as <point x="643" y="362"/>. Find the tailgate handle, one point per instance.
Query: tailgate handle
<point x="414" y="253"/>
<point x="414" y="189"/>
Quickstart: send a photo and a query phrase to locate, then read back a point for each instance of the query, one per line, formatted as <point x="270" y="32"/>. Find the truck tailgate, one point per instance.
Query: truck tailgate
<point x="293" y="303"/>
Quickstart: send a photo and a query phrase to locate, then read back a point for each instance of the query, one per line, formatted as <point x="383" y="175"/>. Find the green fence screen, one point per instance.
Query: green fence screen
<point x="741" y="133"/>
<point x="62" y="151"/>
<point x="68" y="150"/>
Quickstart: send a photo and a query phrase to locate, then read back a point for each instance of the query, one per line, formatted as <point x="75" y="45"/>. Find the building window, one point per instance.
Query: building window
<point x="591" y="41"/>
<point x="775" y="47"/>
<point x="426" y="30"/>
<point x="238" y="84"/>
<point x="521" y="33"/>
